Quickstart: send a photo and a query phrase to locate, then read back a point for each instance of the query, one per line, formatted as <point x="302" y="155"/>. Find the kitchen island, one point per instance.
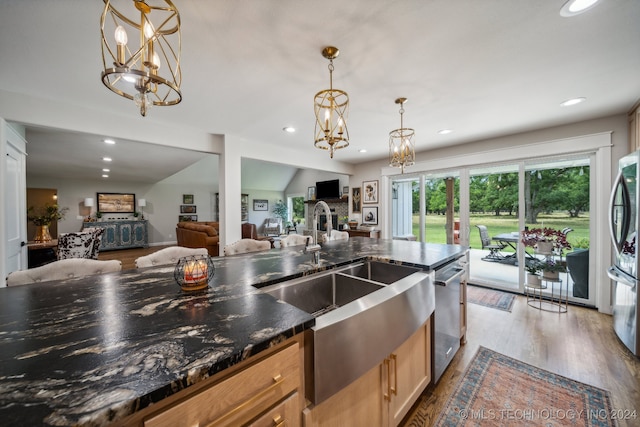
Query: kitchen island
<point x="93" y="351"/>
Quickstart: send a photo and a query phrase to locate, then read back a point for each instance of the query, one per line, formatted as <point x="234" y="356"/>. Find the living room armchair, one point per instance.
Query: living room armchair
<point x="272" y="226"/>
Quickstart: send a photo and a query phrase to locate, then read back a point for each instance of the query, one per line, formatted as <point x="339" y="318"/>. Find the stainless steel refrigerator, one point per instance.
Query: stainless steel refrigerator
<point x="623" y="224"/>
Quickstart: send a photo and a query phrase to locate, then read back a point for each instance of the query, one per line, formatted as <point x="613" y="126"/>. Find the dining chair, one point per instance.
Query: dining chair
<point x="294" y="240"/>
<point x="63" y="269"/>
<point x="494" y="248"/>
<point x="335" y="235"/>
<point x="82" y="244"/>
<point x="246" y="245"/>
<point x="168" y="256"/>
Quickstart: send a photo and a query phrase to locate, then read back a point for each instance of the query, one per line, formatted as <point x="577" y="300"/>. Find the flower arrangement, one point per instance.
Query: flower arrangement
<point x="557" y="238"/>
<point x="552" y="266"/>
<point x="46" y="214"/>
<point x="533" y="266"/>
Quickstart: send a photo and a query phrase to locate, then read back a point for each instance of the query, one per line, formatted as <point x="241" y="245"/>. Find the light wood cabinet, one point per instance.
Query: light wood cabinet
<point x="265" y="389"/>
<point x="384" y="395"/>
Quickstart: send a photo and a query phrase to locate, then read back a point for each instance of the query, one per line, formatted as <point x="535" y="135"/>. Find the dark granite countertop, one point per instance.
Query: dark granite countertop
<point x="93" y="350"/>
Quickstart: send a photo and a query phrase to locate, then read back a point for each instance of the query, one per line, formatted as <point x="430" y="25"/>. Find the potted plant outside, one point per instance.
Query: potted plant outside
<point x="42" y="218"/>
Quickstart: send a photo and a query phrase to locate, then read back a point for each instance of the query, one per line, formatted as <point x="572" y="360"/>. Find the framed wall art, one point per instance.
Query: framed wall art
<point x="356" y="200"/>
<point x="370" y="191"/>
<point x="370" y="215"/>
<point x="116" y="202"/>
<point x="183" y="218"/>
<point x="188" y="209"/>
<point x="187" y="199"/>
<point x="311" y="193"/>
<point x="260" y="205"/>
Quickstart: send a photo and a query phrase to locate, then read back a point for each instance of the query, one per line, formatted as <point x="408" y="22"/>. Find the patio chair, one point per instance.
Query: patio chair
<point x="494" y="248"/>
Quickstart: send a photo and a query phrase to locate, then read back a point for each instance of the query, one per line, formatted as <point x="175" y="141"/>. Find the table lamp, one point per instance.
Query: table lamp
<point x="88" y="203"/>
<point x="142" y="203"/>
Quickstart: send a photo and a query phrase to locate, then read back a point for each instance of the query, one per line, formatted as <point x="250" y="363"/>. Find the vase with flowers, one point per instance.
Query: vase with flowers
<point x="42" y="217"/>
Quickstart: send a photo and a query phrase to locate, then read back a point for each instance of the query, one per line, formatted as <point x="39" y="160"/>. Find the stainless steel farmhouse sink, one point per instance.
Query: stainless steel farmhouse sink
<point x="363" y="312"/>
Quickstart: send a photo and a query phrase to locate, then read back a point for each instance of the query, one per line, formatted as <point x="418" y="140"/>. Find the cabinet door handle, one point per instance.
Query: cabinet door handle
<point x="387" y="394"/>
<point x="278" y="421"/>
<point x="277" y="382"/>
<point x="394" y="389"/>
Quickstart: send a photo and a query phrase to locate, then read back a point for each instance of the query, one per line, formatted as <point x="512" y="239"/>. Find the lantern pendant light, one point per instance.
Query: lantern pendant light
<point x="147" y="72"/>
<point x="401" y="144"/>
<point x="331" y="108"/>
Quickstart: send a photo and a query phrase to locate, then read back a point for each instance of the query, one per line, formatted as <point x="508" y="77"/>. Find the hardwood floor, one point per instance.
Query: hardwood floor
<point x="579" y="344"/>
<point x="128" y="256"/>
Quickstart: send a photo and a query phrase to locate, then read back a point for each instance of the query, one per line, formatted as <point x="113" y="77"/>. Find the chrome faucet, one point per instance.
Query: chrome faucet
<point x="315" y="246"/>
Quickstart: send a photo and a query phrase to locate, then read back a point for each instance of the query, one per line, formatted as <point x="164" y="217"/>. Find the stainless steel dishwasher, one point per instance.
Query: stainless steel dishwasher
<point x="447" y="315"/>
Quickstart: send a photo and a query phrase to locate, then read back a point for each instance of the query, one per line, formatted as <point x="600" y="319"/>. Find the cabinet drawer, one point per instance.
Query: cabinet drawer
<point x="239" y="398"/>
<point x="286" y="414"/>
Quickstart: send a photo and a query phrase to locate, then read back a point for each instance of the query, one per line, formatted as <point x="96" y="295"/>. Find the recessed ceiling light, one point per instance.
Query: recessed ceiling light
<point x="362" y="150"/>
<point x="576" y="7"/>
<point x="444" y="131"/>
<point x="573" y="101"/>
<point x="289" y="129"/>
<point x="105" y="175"/>
<point x="108" y="141"/>
<point x="106" y="170"/>
<point x="107" y="159"/>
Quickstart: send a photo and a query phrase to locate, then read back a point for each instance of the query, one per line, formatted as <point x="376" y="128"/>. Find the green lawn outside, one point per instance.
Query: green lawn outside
<point x="505" y="224"/>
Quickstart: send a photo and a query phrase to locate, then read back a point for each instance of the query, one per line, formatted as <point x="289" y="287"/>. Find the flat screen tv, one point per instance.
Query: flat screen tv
<point x="328" y="189"/>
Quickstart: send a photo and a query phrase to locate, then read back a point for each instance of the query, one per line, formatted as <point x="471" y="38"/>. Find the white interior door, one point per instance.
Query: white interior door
<point x="14" y="203"/>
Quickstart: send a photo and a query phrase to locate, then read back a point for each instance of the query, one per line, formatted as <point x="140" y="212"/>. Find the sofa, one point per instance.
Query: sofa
<point x="199" y="235"/>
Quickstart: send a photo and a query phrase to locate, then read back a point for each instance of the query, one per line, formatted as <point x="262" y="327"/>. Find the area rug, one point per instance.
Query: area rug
<point x="497" y="390"/>
<point x="490" y="298"/>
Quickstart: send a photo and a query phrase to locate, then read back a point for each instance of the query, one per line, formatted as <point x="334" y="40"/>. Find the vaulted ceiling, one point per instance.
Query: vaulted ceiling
<point x="480" y="68"/>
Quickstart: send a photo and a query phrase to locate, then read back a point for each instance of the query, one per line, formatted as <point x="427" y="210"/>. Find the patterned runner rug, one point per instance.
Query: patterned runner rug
<point x="490" y="298"/>
<point x="497" y="390"/>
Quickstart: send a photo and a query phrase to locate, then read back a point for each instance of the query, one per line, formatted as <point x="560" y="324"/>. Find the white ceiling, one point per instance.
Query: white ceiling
<point x="482" y="68"/>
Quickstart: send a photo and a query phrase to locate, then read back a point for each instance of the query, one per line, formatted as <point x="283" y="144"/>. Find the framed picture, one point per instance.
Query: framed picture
<point x="190" y="209"/>
<point x="116" y="202"/>
<point x="183" y="218"/>
<point x="187" y="199"/>
<point x="370" y="191"/>
<point x="356" y="200"/>
<point x="260" y="205"/>
<point x="311" y="193"/>
<point x="370" y="215"/>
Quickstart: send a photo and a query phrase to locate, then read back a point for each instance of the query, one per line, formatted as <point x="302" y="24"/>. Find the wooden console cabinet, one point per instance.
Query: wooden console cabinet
<point x="385" y="394"/>
<point x="374" y="234"/>
<point x="122" y="234"/>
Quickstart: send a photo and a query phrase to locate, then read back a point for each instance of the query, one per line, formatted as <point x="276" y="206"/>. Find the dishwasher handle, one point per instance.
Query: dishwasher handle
<point x="446" y="277"/>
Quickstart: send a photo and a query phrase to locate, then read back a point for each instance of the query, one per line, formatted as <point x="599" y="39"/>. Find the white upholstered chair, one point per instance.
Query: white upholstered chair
<point x="246" y="245"/>
<point x="63" y="269"/>
<point x="82" y="244"/>
<point x="273" y="226"/>
<point x="294" y="240"/>
<point x="169" y="255"/>
<point x="335" y="235"/>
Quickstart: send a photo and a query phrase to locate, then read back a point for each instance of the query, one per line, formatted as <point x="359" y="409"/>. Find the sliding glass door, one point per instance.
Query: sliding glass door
<point x="486" y="207"/>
